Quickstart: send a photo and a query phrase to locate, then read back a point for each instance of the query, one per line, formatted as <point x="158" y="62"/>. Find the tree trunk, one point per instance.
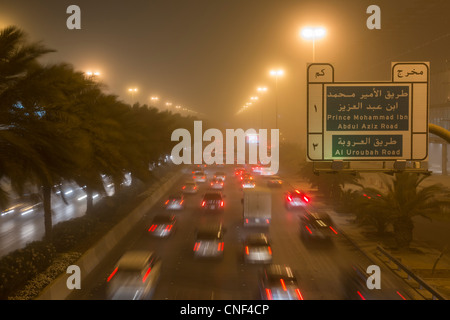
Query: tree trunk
<point x="403" y="231"/>
<point x="47" y="202"/>
<point x="89" y="201"/>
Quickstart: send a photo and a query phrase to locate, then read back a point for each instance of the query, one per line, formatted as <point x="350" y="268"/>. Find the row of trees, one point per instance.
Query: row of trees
<point x="56" y="124"/>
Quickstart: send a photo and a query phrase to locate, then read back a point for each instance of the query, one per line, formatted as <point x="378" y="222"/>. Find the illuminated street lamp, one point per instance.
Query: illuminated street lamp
<point x="92" y="75"/>
<point x="276" y="74"/>
<point x="313" y="33"/>
<point x="132" y="91"/>
<point x="154" y="99"/>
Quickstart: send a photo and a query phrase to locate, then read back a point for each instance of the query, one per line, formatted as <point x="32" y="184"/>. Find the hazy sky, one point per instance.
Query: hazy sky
<point x="211" y="55"/>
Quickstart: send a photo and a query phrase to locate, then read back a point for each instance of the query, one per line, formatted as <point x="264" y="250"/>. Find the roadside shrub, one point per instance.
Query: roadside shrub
<point x="19" y="266"/>
<point x="68" y="234"/>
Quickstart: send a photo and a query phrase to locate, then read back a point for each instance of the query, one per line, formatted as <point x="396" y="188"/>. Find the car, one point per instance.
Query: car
<point x="248" y="183"/>
<point x="278" y="282"/>
<point x="209" y="241"/>
<point x="245" y="176"/>
<point x="216" y="184"/>
<point x="238" y="171"/>
<point x="354" y="280"/>
<point x="220" y="175"/>
<point x="198" y="167"/>
<point x="135" y="276"/>
<point x="317" y="226"/>
<point x="162" y="225"/>
<point x="213" y="201"/>
<point x="256" y="169"/>
<point x="296" y="199"/>
<point x="199" y="176"/>
<point x="257" y="249"/>
<point x="189" y="187"/>
<point x="274" y="181"/>
<point x="175" y="202"/>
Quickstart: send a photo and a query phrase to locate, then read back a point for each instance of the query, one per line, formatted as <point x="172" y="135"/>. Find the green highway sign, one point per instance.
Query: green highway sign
<point x="376" y="121"/>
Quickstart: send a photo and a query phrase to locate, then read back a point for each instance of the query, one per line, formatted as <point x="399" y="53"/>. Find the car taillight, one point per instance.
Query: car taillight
<point x="289" y="198"/>
<point x="194" y="177"/>
<point x="332" y="229"/>
<point x="167" y="201"/>
<point x="169" y="227"/>
<point x="305" y="198"/>
<point x="269" y="249"/>
<point x="203" y="203"/>
<point x="283" y="285"/>
<point x="146" y="274"/>
<point x="307" y="228"/>
<point x="220" y="246"/>
<point x="181" y="202"/>
<point x="246" y="220"/>
<point x="221" y="203"/>
<point x="362" y="297"/>
<point x="197" y="246"/>
<point x="211" y="183"/>
<point x="153" y="227"/>
<point x="246" y="250"/>
<point x="184" y="187"/>
<point x="269" y="294"/>
<point x="112" y="274"/>
<point x="299" y="294"/>
<point x="267" y="221"/>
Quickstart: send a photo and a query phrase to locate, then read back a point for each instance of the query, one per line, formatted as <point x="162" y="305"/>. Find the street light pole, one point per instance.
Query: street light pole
<point x="132" y="91"/>
<point x="313" y="33"/>
<point x="276" y="73"/>
<point x="261" y="89"/>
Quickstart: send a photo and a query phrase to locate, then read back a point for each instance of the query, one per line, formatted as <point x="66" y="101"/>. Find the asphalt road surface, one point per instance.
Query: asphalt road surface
<point x="323" y="271"/>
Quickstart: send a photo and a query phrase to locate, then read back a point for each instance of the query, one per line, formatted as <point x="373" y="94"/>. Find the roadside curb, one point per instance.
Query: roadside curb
<point x="58" y="290"/>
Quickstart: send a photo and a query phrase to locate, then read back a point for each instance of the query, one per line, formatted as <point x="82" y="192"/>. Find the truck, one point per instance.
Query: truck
<point x="257" y="207"/>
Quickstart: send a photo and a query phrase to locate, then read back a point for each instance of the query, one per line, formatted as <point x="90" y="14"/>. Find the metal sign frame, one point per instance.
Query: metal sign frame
<point x="411" y="78"/>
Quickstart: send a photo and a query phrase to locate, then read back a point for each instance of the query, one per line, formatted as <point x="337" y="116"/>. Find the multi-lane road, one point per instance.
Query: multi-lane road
<point x="324" y="272"/>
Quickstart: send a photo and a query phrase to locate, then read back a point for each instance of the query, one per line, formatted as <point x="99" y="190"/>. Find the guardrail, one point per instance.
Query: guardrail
<point x="422" y="284"/>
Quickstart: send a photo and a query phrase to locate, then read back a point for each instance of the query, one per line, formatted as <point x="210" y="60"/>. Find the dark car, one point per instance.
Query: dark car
<point x="278" y="282"/>
<point x="209" y="241"/>
<point x="162" y="225"/>
<point x="317" y="226"/>
<point x="213" y="201"/>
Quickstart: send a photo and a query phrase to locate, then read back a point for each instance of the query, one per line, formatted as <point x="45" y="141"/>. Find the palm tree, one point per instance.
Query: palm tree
<point x="17" y="58"/>
<point x="331" y="185"/>
<point x="42" y="116"/>
<point x="405" y="197"/>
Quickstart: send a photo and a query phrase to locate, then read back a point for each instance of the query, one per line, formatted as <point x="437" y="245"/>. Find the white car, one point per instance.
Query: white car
<point x="220" y="175"/>
<point x="247" y="183"/>
<point x="189" y="187"/>
<point x="257" y="249"/>
<point x="135" y="276"/>
<point x="199" y="176"/>
<point x="175" y="202"/>
<point x="216" y="184"/>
